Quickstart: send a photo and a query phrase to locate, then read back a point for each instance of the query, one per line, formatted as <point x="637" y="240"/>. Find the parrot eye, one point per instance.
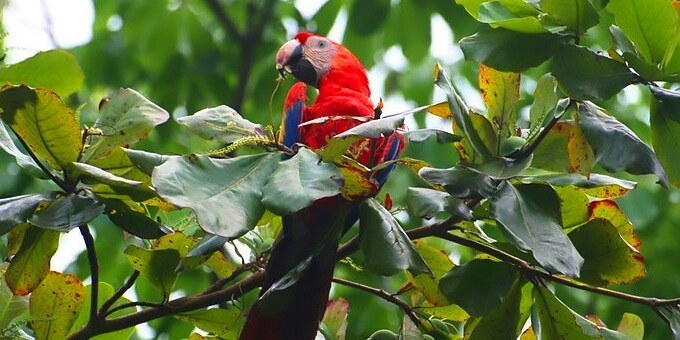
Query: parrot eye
<point x="321" y="44"/>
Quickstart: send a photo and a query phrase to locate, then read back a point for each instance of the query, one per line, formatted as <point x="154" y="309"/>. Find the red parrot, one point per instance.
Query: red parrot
<point x="310" y="237"/>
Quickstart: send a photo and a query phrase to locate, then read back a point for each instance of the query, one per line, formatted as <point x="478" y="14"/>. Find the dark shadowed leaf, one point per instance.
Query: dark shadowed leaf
<point x="366" y="18"/>
<point x="68" y="212"/>
<point x="19" y="209"/>
<point x="384" y="243"/>
<point x="225" y="323"/>
<point x="502" y="167"/>
<point x="229" y="202"/>
<point x="426" y="203"/>
<point x="479" y="285"/>
<point x="529" y="217"/>
<point x="665" y="124"/>
<point x="584" y="74"/>
<point x="460" y="182"/>
<point x="133" y="220"/>
<point x="55" y="305"/>
<point x="428" y="285"/>
<point x="155" y="265"/>
<point x="25" y="162"/>
<point x="577" y="15"/>
<point x="208" y="245"/>
<point x="44" y="122"/>
<point x="608" y="258"/>
<point x="125" y="119"/>
<point x="509" y="51"/>
<point x="299" y="181"/>
<point x="221" y="124"/>
<point x="325" y="16"/>
<point x="56" y="70"/>
<point x="419" y="136"/>
<point x="31" y="263"/>
<point x="505" y="320"/>
<point x="616" y="147"/>
<point x="105" y="292"/>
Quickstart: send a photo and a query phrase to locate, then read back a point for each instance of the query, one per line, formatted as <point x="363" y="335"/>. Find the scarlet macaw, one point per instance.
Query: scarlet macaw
<point x="343" y="91"/>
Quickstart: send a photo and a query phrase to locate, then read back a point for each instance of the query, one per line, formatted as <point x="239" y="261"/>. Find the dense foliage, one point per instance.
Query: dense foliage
<point x="467" y="239"/>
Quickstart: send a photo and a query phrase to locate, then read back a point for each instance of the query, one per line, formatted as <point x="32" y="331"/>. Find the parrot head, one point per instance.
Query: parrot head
<point x="310" y="58"/>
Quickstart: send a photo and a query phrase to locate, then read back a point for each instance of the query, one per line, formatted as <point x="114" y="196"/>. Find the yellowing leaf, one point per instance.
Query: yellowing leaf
<point x="500" y="91"/>
<point x="441" y="110"/>
<point x="55" y="305"/>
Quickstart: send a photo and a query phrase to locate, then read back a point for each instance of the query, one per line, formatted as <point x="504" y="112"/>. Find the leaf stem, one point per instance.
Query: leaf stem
<point x="118" y="294"/>
<point x="94" y="270"/>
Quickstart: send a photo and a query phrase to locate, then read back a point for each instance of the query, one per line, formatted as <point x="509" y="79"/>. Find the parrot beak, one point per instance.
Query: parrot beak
<point x="291" y="60"/>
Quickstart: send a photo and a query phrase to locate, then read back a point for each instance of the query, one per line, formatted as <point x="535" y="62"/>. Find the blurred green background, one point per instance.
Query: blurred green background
<point x="194" y="54"/>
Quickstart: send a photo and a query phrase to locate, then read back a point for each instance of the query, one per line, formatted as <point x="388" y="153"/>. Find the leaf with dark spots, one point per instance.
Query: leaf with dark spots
<point x="55" y="305"/>
<point x="616" y="147"/>
<point x="608" y="210"/>
<point x="595" y="185"/>
<point x="31" y="263"/>
<point x="386" y="246"/>
<point x="529" y="217"/>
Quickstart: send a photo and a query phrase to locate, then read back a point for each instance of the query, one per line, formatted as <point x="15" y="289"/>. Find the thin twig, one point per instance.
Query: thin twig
<point x="118" y="294"/>
<point x="94" y="270"/>
<point x="136" y="304"/>
<point x="238" y="271"/>
<point x="405" y="307"/>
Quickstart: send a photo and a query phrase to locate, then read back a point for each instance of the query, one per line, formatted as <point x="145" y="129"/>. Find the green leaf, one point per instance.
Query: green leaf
<point x="11" y="306"/>
<point x="221" y="124"/>
<point x="225" y="323"/>
<point x="496" y="15"/>
<point x="632" y="326"/>
<point x="616" y="147"/>
<point x="421" y="135"/>
<point x="574" y="206"/>
<point x="414" y="39"/>
<point x="557" y="321"/>
<point x="426" y="203"/>
<point x="650" y="24"/>
<point x="664" y="121"/>
<point x="365" y="18"/>
<point x="502" y="167"/>
<point x="595" y="185"/>
<point x="529" y="217"/>
<point x="439" y="262"/>
<point x="326" y="15"/>
<point x="119" y="164"/>
<point x="487" y="133"/>
<point x="510" y="51"/>
<point x="608" y="258"/>
<point x="500" y="91"/>
<point x="334" y="323"/>
<point x="460" y="182"/>
<point x="460" y="112"/>
<point x="96" y="174"/>
<point x="506" y="320"/>
<point x="552" y="153"/>
<point x="584" y="74"/>
<point x="146" y="161"/>
<point x="649" y="71"/>
<point x="229" y="202"/>
<point x="40" y="119"/>
<point x="155" y="265"/>
<point x="68" y="212"/>
<point x="299" y="181"/>
<point x="25" y="162"/>
<point x="105" y="292"/>
<point x="376" y="128"/>
<point x="479" y="285"/>
<point x="16" y="210"/>
<point x="133" y="220"/>
<point x="56" y="70"/>
<point x="125" y="119"/>
<point x="55" y="304"/>
<point x="545" y="102"/>
<point x="577" y="15"/>
<point x="31" y="263"/>
<point x="386" y="246"/>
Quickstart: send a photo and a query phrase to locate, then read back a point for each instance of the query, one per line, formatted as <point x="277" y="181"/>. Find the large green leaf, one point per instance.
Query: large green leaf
<point x="529" y="217"/>
<point x="577" y="15"/>
<point x="552" y="153"/>
<point x="500" y="91"/>
<point x="584" y="74"/>
<point x="56" y="70"/>
<point x="509" y="51"/>
<point x="146" y="161"/>
<point x="426" y="203"/>
<point x="55" y="305"/>
<point x="105" y="293"/>
<point x="557" y="321"/>
<point x="156" y="265"/>
<point x="502" y="167"/>
<point x="31" y="263"/>
<point x="25" y="162"/>
<point x="11" y="306"/>
<point x="496" y="14"/>
<point x="616" y="147"/>
<point x="133" y="219"/>
<point x="460" y="182"/>
<point x="126" y="118"/>
<point x="386" y="246"/>
<point x="47" y="125"/>
<point x="479" y="285"/>
<point x="19" y="209"/>
<point x="225" y="323"/>
<point x="608" y="258"/>
<point x="650" y="24"/>
<point x="595" y="185"/>
<point x="221" y="124"/>
<point x="421" y="135"/>
<point x="664" y="121"/>
<point x="366" y="18"/>
<point x="229" y="200"/>
<point x="68" y="212"/>
<point x="505" y="320"/>
<point x="545" y="102"/>
<point x="299" y="181"/>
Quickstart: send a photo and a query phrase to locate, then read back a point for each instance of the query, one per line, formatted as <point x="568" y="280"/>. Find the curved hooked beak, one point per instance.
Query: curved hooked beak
<point x="289" y="53"/>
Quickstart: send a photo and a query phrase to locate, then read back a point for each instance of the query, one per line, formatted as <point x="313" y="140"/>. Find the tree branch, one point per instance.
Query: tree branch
<point x="94" y="270"/>
<point x="118" y="294"/>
